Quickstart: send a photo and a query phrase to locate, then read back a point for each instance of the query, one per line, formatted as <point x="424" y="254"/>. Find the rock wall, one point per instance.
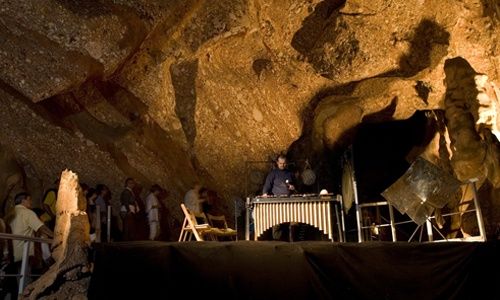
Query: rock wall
<point x="171" y="92"/>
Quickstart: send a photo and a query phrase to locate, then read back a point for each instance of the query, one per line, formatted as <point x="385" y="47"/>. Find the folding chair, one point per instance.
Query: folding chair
<point x="191" y="227"/>
<point x="201" y="231"/>
<point x="219" y="222"/>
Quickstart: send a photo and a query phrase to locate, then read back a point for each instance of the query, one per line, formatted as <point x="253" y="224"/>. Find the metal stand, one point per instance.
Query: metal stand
<point x="429" y="227"/>
<point x="479" y="219"/>
<point x="342" y="229"/>
<point x="362" y="227"/>
<point x="108" y="224"/>
<point x="247" y="219"/>
<point x="479" y="214"/>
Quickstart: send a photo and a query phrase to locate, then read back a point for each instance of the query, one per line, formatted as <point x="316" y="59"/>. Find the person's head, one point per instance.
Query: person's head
<point x="203" y="192"/>
<point x="130" y="183"/>
<point x="212" y="197"/>
<point x="155" y="189"/>
<point x="163" y="194"/>
<point x="281" y="162"/>
<point x="23" y="199"/>
<point x="102" y="190"/>
<point x="91" y="194"/>
<point x="137" y="189"/>
<point x="197" y="186"/>
<point x="85" y="187"/>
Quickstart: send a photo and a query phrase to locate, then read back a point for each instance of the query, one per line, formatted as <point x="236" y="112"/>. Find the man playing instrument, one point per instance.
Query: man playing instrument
<point x="279" y="181"/>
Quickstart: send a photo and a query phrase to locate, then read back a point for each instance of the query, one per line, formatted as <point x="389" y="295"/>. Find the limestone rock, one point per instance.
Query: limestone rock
<point x="70" y="246"/>
<point x="172" y="92"/>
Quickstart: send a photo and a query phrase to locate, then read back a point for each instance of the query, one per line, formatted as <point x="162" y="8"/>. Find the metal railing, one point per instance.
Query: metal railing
<point x="98" y="229"/>
<point x="23" y="275"/>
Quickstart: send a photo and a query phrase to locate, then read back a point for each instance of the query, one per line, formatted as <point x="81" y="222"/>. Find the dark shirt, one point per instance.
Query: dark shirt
<point x="127" y="198"/>
<point x="276" y="182"/>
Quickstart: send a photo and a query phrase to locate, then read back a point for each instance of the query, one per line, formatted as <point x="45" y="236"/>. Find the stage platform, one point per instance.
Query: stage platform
<point x="300" y="270"/>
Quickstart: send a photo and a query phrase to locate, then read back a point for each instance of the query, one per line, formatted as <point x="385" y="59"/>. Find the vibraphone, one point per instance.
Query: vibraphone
<point x="312" y="209"/>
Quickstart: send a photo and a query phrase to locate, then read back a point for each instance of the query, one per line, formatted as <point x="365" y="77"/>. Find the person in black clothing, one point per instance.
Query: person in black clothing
<point x="129" y="209"/>
<point x="279" y="181"/>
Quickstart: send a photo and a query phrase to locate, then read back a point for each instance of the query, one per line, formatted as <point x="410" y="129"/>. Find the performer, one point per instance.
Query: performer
<point x="279" y="182"/>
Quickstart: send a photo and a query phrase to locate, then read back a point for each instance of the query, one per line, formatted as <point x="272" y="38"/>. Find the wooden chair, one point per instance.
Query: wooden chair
<point x="191" y="227"/>
<point x="197" y="225"/>
<point x="220" y="223"/>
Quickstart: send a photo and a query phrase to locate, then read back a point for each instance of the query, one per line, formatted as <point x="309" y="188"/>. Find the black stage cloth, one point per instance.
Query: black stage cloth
<point x="300" y="270"/>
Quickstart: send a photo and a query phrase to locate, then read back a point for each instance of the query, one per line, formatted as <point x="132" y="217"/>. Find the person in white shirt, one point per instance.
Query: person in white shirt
<point x="153" y="211"/>
<point x="24" y="221"/>
<point x="192" y="199"/>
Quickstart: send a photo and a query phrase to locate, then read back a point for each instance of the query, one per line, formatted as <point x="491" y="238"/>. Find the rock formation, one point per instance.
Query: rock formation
<point x="69" y="276"/>
<point x="172" y="92"/>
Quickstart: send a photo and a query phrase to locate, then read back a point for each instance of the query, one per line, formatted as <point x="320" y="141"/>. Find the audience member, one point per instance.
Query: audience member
<point x="102" y="202"/>
<point x="129" y="208"/>
<point x="85" y="187"/>
<point x="153" y="211"/>
<point x="49" y="205"/>
<point x="141" y="231"/>
<point x="193" y="199"/>
<point x="167" y="221"/>
<point x="24" y="221"/>
<point x="91" y="197"/>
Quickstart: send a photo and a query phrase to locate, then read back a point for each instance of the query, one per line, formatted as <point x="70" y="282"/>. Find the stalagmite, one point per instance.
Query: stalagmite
<point x="69" y="276"/>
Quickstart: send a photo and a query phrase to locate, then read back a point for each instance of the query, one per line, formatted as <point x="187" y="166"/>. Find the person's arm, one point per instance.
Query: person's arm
<point x="133" y="208"/>
<point x="268" y="184"/>
<point x="149" y="204"/>
<point x="33" y="222"/>
<point x="44" y="230"/>
<point x="127" y="199"/>
<point x="289" y="182"/>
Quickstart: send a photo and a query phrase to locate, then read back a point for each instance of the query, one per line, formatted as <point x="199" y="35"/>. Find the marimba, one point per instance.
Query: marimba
<point x="312" y="209"/>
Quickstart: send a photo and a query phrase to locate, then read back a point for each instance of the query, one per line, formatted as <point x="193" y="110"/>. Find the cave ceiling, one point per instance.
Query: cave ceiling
<point x="175" y="91"/>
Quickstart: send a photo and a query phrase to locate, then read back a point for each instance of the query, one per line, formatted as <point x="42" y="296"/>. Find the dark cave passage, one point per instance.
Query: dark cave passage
<point x="382" y="153"/>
